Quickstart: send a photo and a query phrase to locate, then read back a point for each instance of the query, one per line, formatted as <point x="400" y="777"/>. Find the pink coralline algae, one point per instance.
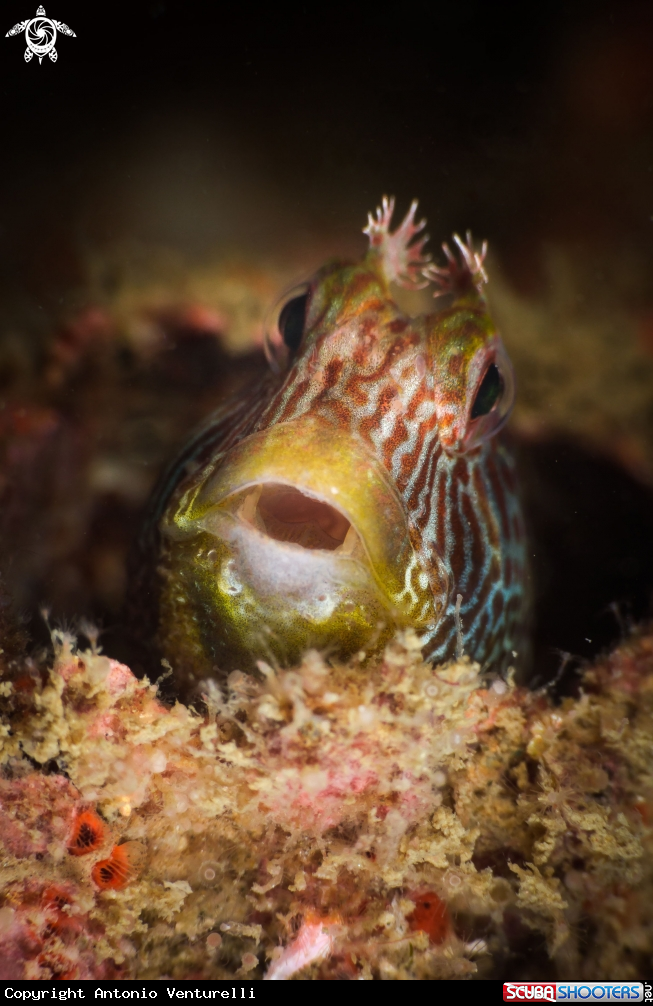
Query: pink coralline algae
<point x="313" y="943"/>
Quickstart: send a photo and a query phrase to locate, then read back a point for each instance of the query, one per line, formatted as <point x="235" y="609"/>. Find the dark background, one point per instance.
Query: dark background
<point x="198" y="126"/>
<point x="524" y="123"/>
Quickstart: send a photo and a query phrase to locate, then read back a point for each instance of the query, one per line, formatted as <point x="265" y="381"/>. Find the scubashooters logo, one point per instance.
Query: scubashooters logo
<point x="572" y="991"/>
<point x="40" y="35"/>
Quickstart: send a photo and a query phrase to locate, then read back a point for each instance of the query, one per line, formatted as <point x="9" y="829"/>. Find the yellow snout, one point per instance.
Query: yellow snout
<point x="297" y="538"/>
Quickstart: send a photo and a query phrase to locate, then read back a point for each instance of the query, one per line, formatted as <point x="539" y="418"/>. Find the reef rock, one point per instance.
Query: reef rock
<point x="326" y="822"/>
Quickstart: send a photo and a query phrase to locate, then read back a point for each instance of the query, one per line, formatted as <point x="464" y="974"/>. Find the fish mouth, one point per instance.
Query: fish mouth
<point x="296" y="538"/>
<point x="286" y="514"/>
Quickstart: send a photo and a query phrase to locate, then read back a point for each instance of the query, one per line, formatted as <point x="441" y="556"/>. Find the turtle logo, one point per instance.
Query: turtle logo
<point x="40" y="35"/>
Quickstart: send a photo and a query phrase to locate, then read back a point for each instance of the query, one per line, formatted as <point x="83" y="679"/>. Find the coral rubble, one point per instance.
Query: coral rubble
<point x="326" y="822"/>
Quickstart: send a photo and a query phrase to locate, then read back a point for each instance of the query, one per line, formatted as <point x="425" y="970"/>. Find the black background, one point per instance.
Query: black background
<point x="521" y="121"/>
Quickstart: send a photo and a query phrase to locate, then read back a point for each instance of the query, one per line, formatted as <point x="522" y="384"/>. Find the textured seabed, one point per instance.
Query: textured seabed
<point x="326" y="822"/>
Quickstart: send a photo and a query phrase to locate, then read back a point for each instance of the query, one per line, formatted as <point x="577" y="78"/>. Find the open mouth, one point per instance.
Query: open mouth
<point x="308" y="486"/>
<point x="296" y="539"/>
<point x="286" y="514"/>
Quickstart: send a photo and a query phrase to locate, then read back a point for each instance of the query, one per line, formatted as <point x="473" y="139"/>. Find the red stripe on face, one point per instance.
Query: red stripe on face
<point x="332" y="372"/>
<point x="299" y="391"/>
<point x="410" y="460"/>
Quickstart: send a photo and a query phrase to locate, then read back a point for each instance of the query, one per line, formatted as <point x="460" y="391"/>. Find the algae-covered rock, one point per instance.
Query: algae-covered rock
<point x="327" y="822"/>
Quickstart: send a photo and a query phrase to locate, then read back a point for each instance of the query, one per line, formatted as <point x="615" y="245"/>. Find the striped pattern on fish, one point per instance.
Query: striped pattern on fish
<point x="425" y="396"/>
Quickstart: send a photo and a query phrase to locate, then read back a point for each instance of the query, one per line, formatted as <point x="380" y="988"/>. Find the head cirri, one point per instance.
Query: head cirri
<point x="360" y="487"/>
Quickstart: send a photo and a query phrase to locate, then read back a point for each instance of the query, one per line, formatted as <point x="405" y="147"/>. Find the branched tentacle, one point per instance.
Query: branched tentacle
<point x="402" y="252"/>
<point x="459" y="276"/>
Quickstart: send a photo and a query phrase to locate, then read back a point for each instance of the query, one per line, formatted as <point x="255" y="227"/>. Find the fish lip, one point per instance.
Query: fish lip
<point x="359" y="488"/>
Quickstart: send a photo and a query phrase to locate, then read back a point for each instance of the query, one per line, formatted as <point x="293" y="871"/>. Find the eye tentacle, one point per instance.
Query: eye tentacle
<point x="463" y="277"/>
<point x="402" y="252"/>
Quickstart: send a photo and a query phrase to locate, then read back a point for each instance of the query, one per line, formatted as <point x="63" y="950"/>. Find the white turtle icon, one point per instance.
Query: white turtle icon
<point x="40" y="35"/>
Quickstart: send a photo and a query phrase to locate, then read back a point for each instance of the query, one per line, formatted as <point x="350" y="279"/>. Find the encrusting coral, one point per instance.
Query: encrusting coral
<point x="326" y="822"/>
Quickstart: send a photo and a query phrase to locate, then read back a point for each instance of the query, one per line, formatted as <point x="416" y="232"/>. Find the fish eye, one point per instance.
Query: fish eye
<point x="284" y="327"/>
<point x="489" y="392"/>
<point x="492" y="401"/>
<point x="291" y="321"/>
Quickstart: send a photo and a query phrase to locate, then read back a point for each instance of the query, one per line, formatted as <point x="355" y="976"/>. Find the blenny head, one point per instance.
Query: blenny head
<point x="359" y="488"/>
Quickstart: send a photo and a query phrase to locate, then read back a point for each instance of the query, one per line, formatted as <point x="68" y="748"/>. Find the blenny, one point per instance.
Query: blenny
<point x="360" y="486"/>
